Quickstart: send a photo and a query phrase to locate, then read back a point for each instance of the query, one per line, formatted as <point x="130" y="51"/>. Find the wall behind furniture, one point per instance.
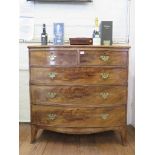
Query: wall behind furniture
<point x="131" y="97"/>
<point x="79" y="16"/>
<point x="79" y="21"/>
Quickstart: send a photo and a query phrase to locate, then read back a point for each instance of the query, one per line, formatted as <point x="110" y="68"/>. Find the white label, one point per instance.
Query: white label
<point x="96" y="41"/>
<point x="81" y="52"/>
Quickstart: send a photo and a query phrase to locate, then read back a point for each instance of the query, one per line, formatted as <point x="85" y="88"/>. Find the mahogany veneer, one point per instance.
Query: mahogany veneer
<point x="79" y="95"/>
<point x="78" y="89"/>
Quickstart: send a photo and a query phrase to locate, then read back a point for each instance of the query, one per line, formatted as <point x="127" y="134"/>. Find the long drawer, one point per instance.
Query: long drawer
<point x="78" y="117"/>
<point x="81" y="75"/>
<point x="78" y="95"/>
<point x="103" y="57"/>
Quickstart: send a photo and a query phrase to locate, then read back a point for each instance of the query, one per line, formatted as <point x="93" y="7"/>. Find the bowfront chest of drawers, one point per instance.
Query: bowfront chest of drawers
<point x="78" y="89"/>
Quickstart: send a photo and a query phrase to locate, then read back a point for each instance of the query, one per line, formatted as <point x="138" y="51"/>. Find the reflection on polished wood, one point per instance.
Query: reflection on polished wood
<point x="79" y="95"/>
<point x="78" y="89"/>
<point x="77" y="76"/>
<point x="54" y="57"/>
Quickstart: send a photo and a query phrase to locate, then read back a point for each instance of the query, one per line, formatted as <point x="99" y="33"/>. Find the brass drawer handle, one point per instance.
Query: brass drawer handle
<point x="104" y="58"/>
<point x="105" y="75"/>
<point x="52" y="116"/>
<point x="51" y="95"/>
<point x="104" y="95"/>
<point x="52" y="75"/>
<point x="52" y="57"/>
<point x="104" y="116"/>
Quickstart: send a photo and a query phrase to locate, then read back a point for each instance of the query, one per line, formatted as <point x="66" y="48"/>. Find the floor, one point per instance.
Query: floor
<point x="50" y="143"/>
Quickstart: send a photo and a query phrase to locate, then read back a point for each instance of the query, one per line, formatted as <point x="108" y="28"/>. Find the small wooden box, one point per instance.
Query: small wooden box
<point x="81" y="41"/>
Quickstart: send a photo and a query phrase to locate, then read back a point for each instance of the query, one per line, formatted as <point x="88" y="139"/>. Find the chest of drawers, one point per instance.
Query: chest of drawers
<point x="78" y="89"/>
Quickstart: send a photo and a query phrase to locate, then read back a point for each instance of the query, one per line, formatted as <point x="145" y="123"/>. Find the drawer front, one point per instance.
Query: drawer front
<point x="86" y="75"/>
<point x="103" y="57"/>
<point x="79" y="95"/>
<point x="51" y="58"/>
<point x="78" y="117"/>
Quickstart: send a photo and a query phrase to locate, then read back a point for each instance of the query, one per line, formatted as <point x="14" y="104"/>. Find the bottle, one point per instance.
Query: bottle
<point x="44" y="36"/>
<point x="96" y="35"/>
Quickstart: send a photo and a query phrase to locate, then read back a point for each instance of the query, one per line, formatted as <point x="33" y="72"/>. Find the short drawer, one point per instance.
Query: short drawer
<point x="78" y="117"/>
<point x="103" y="57"/>
<point x="54" y="57"/>
<point x="79" y="95"/>
<point x="81" y="75"/>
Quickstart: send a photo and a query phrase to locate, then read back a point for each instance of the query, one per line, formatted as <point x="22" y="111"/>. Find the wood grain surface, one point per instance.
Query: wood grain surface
<point x="52" y="58"/>
<point x="78" y="89"/>
<point x="103" y="57"/>
<point x="78" y="117"/>
<point x="79" y="95"/>
<point x="124" y="47"/>
<point x="79" y="75"/>
<point x="51" y="143"/>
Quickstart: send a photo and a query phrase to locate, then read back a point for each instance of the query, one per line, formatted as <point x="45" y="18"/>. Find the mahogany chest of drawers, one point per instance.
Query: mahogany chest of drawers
<point x="78" y="89"/>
